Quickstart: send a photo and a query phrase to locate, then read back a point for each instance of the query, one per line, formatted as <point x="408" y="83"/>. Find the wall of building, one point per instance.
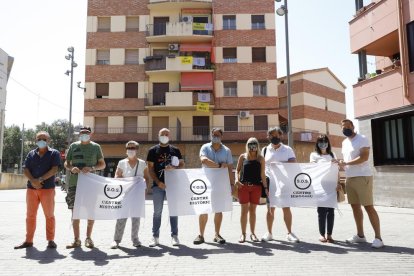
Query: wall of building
<point x="10" y="181"/>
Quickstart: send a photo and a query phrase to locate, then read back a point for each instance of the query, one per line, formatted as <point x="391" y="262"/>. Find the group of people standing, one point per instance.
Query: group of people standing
<point x="250" y="180"/>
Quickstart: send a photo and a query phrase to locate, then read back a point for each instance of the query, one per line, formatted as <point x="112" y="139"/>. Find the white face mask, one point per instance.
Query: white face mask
<point x="84" y="137"/>
<point x="131" y="153"/>
<point x="163" y="139"/>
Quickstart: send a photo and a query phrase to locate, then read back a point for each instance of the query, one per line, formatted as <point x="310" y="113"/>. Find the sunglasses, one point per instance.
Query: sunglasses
<point x="252" y="144"/>
<point x="41" y="139"/>
<point x="131" y="148"/>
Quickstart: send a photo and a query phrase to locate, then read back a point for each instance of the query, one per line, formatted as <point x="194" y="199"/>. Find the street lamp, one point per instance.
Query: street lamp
<point x="73" y="64"/>
<point x="283" y="11"/>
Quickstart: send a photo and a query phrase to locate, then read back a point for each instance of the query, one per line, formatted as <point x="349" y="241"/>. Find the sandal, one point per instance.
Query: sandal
<point x="322" y="239"/>
<point x="242" y="238"/>
<point x="330" y="240"/>
<point x="254" y="238"/>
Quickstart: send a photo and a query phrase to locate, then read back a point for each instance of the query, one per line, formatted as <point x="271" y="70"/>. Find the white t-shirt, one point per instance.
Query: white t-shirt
<point x="351" y="149"/>
<point x="317" y="158"/>
<point x="127" y="171"/>
<point x="281" y="154"/>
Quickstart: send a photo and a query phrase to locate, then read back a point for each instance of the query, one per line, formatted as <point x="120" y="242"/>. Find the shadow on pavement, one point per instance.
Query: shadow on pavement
<point x="99" y="257"/>
<point x="43" y="257"/>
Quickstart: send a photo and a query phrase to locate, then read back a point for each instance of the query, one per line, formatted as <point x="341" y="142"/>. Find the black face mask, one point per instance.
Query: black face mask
<point x="275" y="140"/>
<point x="347" y="132"/>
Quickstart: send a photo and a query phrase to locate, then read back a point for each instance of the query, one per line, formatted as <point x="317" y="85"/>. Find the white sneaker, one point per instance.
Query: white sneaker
<point x="114" y="245"/>
<point x="356" y="239"/>
<point x="154" y="242"/>
<point x="292" y="238"/>
<point x="377" y="243"/>
<point x="267" y="237"/>
<point x="136" y="243"/>
<point x="175" y="241"/>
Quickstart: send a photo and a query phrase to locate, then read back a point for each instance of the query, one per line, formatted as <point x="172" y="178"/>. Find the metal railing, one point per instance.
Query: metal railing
<point x="179" y="29"/>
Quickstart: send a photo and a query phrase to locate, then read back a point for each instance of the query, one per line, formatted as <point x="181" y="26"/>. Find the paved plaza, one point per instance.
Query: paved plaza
<point x="309" y="257"/>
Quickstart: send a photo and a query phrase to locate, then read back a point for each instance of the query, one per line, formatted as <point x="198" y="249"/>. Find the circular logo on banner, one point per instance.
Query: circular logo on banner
<point x="113" y="192"/>
<point x="303" y="181"/>
<point x="198" y="187"/>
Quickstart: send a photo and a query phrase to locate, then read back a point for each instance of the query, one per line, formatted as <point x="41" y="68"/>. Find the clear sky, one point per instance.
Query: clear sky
<point x="38" y="33"/>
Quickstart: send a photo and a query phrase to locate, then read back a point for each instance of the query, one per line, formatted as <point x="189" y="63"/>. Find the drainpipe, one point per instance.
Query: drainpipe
<point x="403" y="48"/>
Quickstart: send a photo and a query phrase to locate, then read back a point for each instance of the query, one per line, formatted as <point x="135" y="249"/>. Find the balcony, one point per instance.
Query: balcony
<point x="182" y="134"/>
<point x="179" y="32"/>
<point x="375" y="29"/>
<point x="172" y="63"/>
<point x="169" y="100"/>
<point x="378" y="94"/>
<point x="168" y="5"/>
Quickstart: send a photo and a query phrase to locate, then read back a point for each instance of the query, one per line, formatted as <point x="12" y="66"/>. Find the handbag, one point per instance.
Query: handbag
<point x="340" y="195"/>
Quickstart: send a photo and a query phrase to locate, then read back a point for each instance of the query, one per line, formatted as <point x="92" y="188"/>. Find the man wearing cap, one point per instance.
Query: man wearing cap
<point x="84" y="156"/>
<point x="40" y="167"/>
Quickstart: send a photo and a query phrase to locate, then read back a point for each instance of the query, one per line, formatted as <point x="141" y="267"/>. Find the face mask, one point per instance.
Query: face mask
<point x="347" y="132"/>
<point x="164" y="139"/>
<point x="131" y="153"/>
<point x="41" y="144"/>
<point x="215" y="140"/>
<point x="323" y="146"/>
<point x="275" y="140"/>
<point x="84" y="137"/>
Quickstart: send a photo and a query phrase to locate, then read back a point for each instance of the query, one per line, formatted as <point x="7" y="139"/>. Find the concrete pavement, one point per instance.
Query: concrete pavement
<point x="279" y="257"/>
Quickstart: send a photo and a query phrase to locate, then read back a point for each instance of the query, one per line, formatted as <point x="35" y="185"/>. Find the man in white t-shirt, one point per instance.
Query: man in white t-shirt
<point x="359" y="182"/>
<point x="276" y="151"/>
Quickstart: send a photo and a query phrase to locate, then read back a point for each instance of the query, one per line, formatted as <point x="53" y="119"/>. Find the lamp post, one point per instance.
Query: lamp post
<point x="21" y="152"/>
<point x="283" y="11"/>
<point x="73" y="64"/>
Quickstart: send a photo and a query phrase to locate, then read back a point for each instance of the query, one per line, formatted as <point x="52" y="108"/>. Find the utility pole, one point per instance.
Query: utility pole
<point x="21" y="153"/>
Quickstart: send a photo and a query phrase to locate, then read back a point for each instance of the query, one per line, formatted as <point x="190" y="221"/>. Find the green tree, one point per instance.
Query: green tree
<point x="13" y="144"/>
<point x="58" y="132"/>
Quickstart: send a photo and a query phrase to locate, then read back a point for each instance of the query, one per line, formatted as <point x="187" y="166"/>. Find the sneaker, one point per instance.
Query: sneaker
<point x="89" y="243"/>
<point x="75" y="244"/>
<point x="377" y="243"/>
<point x="356" y="239"/>
<point x="24" y="245"/>
<point x="199" y="240"/>
<point x="51" y="244"/>
<point x="175" y="241"/>
<point x="136" y="243"/>
<point x="154" y="242"/>
<point x="114" y="245"/>
<point x="292" y="238"/>
<point x="219" y="239"/>
<point x="267" y="237"/>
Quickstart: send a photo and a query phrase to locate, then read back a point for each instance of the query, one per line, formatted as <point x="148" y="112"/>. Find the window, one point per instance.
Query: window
<point x="101" y="124"/>
<point x="230" y="89"/>
<point x="102" y="57"/>
<point x="258" y="22"/>
<point x="104" y="24"/>
<point x="130" y="124"/>
<point x="102" y="90"/>
<point x="259" y="88"/>
<point x="201" y="125"/>
<point x="410" y="41"/>
<point x="229" y="55"/>
<point x="231" y="123"/>
<point x="283" y="102"/>
<point x="132" y="24"/>
<point x="260" y="122"/>
<point x="131" y="56"/>
<point x="131" y="90"/>
<point x="393" y="140"/>
<point x="259" y="54"/>
<point x="229" y="22"/>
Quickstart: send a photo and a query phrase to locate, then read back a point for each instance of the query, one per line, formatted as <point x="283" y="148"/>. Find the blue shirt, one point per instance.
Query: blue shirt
<point x="222" y="155"/>
<point x="38" y="166"/>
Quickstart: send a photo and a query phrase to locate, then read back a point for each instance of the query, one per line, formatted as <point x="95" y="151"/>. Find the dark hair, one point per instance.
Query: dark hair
<point x="347" y="121"/>
<point x="323" y="138"/>
<point x="214" y="129"/>
<point x="85" y="128"/>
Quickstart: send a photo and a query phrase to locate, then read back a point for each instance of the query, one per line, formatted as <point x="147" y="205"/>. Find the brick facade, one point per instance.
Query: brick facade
<point x="108" y="40"/>
<point x="116" y="7"/>
<point x="252" y="38"/>
<point x="243" y="6"/>
<point x="246" y="71"/>
<point x="115" y="73"/>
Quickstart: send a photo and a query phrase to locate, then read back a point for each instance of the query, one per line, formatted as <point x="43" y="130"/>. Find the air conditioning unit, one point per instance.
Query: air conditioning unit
<point x="173" y="47"/>
<point x="187" y="18"/>
<point x="244" y="114"/>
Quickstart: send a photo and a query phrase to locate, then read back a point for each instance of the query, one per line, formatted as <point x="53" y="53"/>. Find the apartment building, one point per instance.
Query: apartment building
<point x="384" y="98"/>
<point x="6" y="64"/>
<point x="185" y="65"/>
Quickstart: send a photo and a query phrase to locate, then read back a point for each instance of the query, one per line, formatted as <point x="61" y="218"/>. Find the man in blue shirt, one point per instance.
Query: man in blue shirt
<point x="40" y="167"/>
<point x="215" y="155"/>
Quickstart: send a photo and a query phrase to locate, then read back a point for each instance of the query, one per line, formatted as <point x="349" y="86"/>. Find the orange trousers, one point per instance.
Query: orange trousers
<point x="46" y="197"/>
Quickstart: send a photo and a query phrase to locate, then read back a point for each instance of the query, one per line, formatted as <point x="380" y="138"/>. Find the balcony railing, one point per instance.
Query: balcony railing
<point x="176" y="64"/>
<point x="169" y="99"/>
<point x="177" y="29"/>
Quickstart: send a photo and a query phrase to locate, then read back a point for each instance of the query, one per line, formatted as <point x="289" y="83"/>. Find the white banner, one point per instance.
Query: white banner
<point x="303" y="184"/>
<point x="101" y="198"/>
<point x="198" y="191"/>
